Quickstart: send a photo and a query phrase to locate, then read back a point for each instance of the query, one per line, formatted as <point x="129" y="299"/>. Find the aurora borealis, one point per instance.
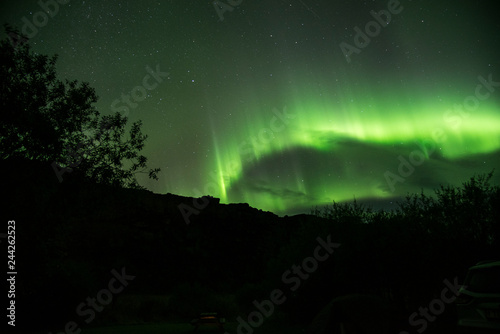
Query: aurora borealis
<point x="262" y="106"/>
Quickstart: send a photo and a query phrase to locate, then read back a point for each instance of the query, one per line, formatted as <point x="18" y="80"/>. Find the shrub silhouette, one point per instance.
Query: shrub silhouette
<point x="46" y="119"/>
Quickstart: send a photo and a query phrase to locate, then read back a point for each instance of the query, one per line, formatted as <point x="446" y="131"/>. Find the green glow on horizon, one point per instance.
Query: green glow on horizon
<point x="323" y="127"/>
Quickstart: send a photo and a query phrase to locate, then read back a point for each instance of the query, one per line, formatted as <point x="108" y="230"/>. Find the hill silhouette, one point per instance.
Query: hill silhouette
<point x="71" y="235"/>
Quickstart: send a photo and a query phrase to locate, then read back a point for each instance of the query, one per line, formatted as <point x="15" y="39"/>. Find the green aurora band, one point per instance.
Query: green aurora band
<point x="324" y="128"/>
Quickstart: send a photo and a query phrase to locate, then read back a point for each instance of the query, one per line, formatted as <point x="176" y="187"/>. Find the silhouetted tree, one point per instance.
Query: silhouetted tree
<point x="49" y="120"/>
<point x="406" y="253"/>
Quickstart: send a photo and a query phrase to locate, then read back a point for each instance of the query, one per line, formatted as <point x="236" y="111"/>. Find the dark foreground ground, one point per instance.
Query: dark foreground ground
<point x="173" y="328"/>
<point x="230" y="328"/>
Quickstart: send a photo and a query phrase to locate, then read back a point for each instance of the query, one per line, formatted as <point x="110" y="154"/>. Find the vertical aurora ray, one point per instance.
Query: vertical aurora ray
<point x="219" y="176"/>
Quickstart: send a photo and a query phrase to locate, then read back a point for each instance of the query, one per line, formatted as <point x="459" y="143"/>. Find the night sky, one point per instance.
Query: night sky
<point x="286" y="105"/>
